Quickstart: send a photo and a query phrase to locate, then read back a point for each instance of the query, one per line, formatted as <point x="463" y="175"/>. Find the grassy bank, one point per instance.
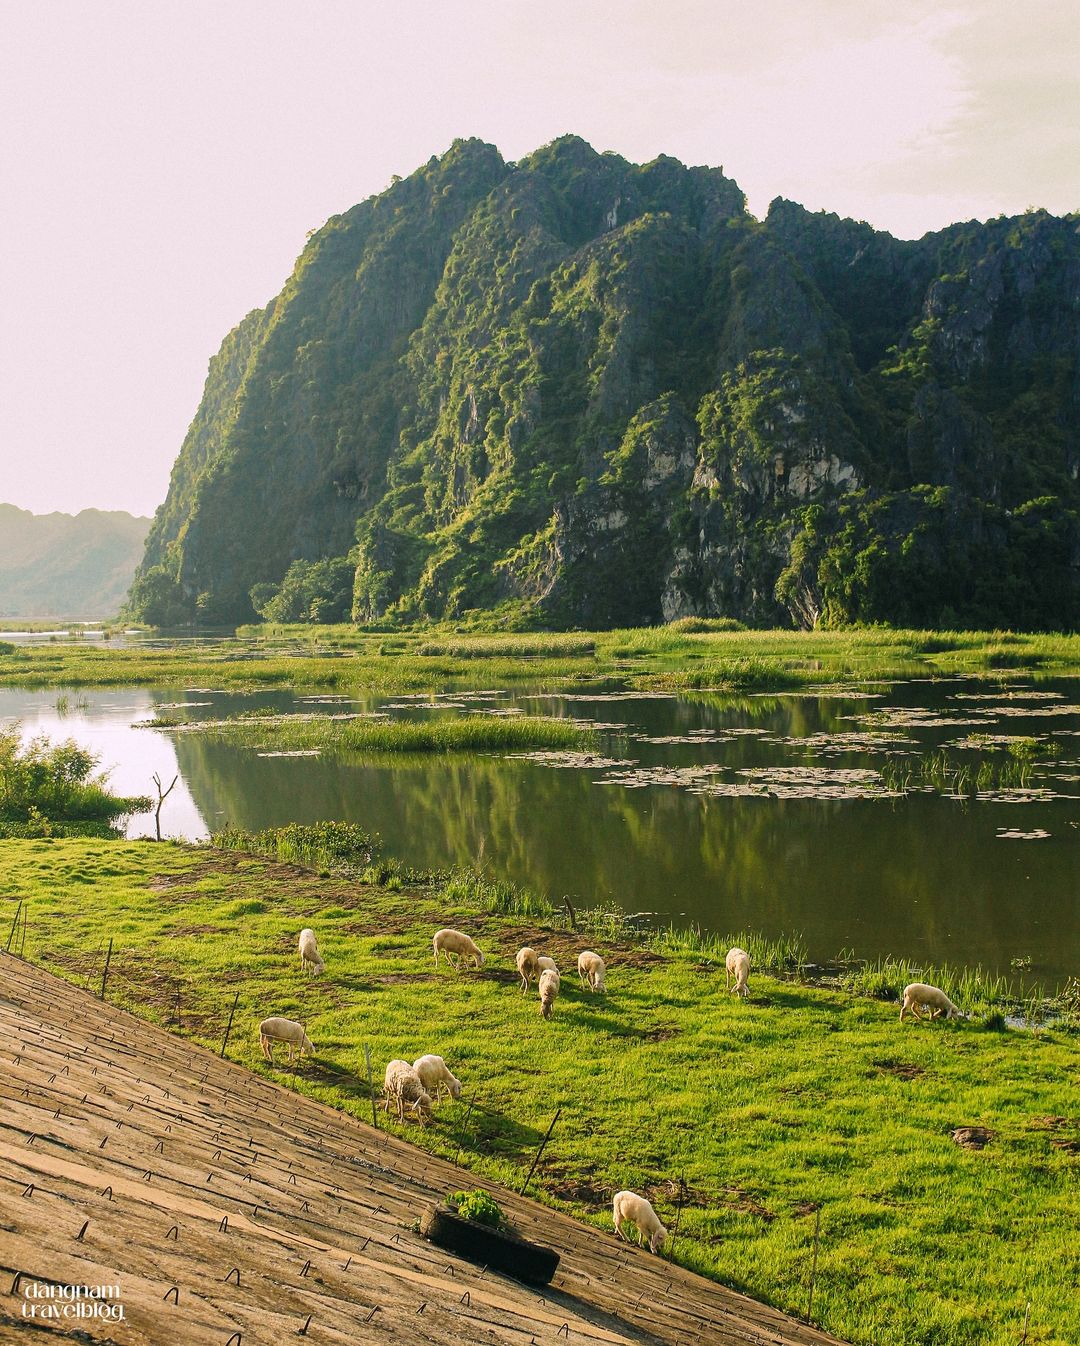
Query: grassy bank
<point x="343" y="659"/>
<point x="799" y="1098"/>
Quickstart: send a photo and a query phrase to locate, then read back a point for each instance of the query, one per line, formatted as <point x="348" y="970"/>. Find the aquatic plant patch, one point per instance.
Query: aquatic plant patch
<point x="568" y="760"/>
<point x="852" y="741"/>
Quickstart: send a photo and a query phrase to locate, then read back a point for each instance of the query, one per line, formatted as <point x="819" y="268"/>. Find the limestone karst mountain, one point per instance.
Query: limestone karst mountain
<point x="581" y="392"/>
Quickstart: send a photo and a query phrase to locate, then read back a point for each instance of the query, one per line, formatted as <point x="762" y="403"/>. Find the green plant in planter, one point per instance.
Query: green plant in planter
<point x="478" y="1206"/>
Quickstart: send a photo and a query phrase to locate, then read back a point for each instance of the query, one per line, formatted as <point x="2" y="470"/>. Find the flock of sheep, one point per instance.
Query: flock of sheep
<point x="415" y="1088"/>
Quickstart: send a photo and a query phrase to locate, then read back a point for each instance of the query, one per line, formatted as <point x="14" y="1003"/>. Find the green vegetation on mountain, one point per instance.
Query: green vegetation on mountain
<point x="69" y="567"/>
<point x="575" y="391"/>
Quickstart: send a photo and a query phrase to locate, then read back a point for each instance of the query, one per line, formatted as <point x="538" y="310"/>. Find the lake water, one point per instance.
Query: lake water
<point x="761" y="812"/>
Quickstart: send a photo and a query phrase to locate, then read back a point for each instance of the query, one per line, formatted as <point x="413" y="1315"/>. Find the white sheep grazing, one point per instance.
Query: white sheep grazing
<point x="527" y="967"/>
<point x="287" y="1031"/>
<point x="311" y="960"/>
<point x="435" y="1076"/>
<point x="447" y="942"/>
<point x="402" y="1084"/>
<point x="545" y="964"/>
<point x="737" y="965"/>
<point x="549" y="989"/>
<point x="918" y="994"/>
<point x="591" y="970"/>
<point x="628" y="1206"/>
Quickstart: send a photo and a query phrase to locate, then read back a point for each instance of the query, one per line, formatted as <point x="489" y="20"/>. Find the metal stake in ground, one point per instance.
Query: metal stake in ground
<point x="371" y="1086"/>
<point x="105" y="972"/>
<point x="678" y="1214"/>
<point x="813" y="1266"/>
<point x="540" y="1151"/>
<point x="14" y="923"/>
<point x="228" y="1027"/>
<point x="464" y="1127"/>
<point x="25" y="917"/>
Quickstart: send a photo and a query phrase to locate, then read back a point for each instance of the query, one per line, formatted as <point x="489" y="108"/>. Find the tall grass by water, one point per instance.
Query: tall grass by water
<point x="779" y="953"/>
<point x="972" y="989"/>
<point x="345" y="847"/>
<point x="46" y="785"/>
<point x="473" y="733"/>
<point x="943" y="773"/>
<point x="351" y="659"/>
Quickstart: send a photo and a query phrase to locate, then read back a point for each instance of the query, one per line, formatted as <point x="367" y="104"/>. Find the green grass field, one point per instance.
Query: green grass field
<point x="345" y="659"/>
<point x="800" y="1098"/>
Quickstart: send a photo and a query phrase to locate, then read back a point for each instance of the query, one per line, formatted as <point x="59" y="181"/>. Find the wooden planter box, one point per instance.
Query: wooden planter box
<point x="499" y="1248"/>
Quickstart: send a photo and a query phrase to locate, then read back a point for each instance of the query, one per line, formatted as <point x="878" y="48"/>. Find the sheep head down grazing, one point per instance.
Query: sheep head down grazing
<point x="287" y="1031"/>
<point x="737" y="969"/>
<point x="528" y="969"/>
<point x="549" y="989"/>
<point x="403" y="1085"/>
<point x="435" y="1076"/>
<point x="591" y="970"/>
<point x="628" y="1207"/>
<point x="311" y="959"/>
<point x="920" y="996"/>
<point x="453" y="942"/>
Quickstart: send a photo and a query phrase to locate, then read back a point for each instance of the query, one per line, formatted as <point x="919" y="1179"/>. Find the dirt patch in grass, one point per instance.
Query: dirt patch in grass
<point x="217" y="863"/>
<point x="973" y="1137"/>
<point x="661" y="1033"/>
<point x="564" y="946"/>
<point x="1067" y="1144"/>
<point x="745" y="1204"/>
<point x="582" y="1191"/>
<point x="903" y="1070"/>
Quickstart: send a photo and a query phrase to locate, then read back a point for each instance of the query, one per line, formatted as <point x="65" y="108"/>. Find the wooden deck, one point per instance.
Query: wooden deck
<point x="229" y="1209"/>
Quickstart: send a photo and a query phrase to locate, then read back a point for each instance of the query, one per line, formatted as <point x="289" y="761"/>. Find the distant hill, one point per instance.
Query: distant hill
<point x="70" y="566"/>
<point x="575" y="391"/>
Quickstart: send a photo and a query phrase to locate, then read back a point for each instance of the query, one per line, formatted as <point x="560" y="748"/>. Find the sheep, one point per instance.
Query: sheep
<point x="545" y="964"/>
<point x="549" y="989"/>
<point x="590" y="970"/>
<point x="447" y="942"/>
<point x="629" y="1206"/>
<point x="402" y="1084"/>
<point x="928" y="997"/>
<point x="287" y="1031"/>
<point x="435" y="1076"/>
<point x="737" y="966"/>
<point x="528" y="970"/>
<point x="311" y="959"/>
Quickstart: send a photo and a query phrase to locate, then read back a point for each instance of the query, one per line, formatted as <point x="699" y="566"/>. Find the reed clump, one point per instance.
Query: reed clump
<point x="473" y="733"/>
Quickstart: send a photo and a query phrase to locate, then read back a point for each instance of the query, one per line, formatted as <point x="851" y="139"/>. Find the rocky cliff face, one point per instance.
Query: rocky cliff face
<point x="579" y="391"/>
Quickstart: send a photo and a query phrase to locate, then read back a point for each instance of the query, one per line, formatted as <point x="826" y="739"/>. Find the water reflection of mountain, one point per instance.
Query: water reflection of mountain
<point x="921" y="876"/>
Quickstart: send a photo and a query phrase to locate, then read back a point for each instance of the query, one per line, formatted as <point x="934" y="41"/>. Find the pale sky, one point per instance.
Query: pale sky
<point x="162" y="160"/>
